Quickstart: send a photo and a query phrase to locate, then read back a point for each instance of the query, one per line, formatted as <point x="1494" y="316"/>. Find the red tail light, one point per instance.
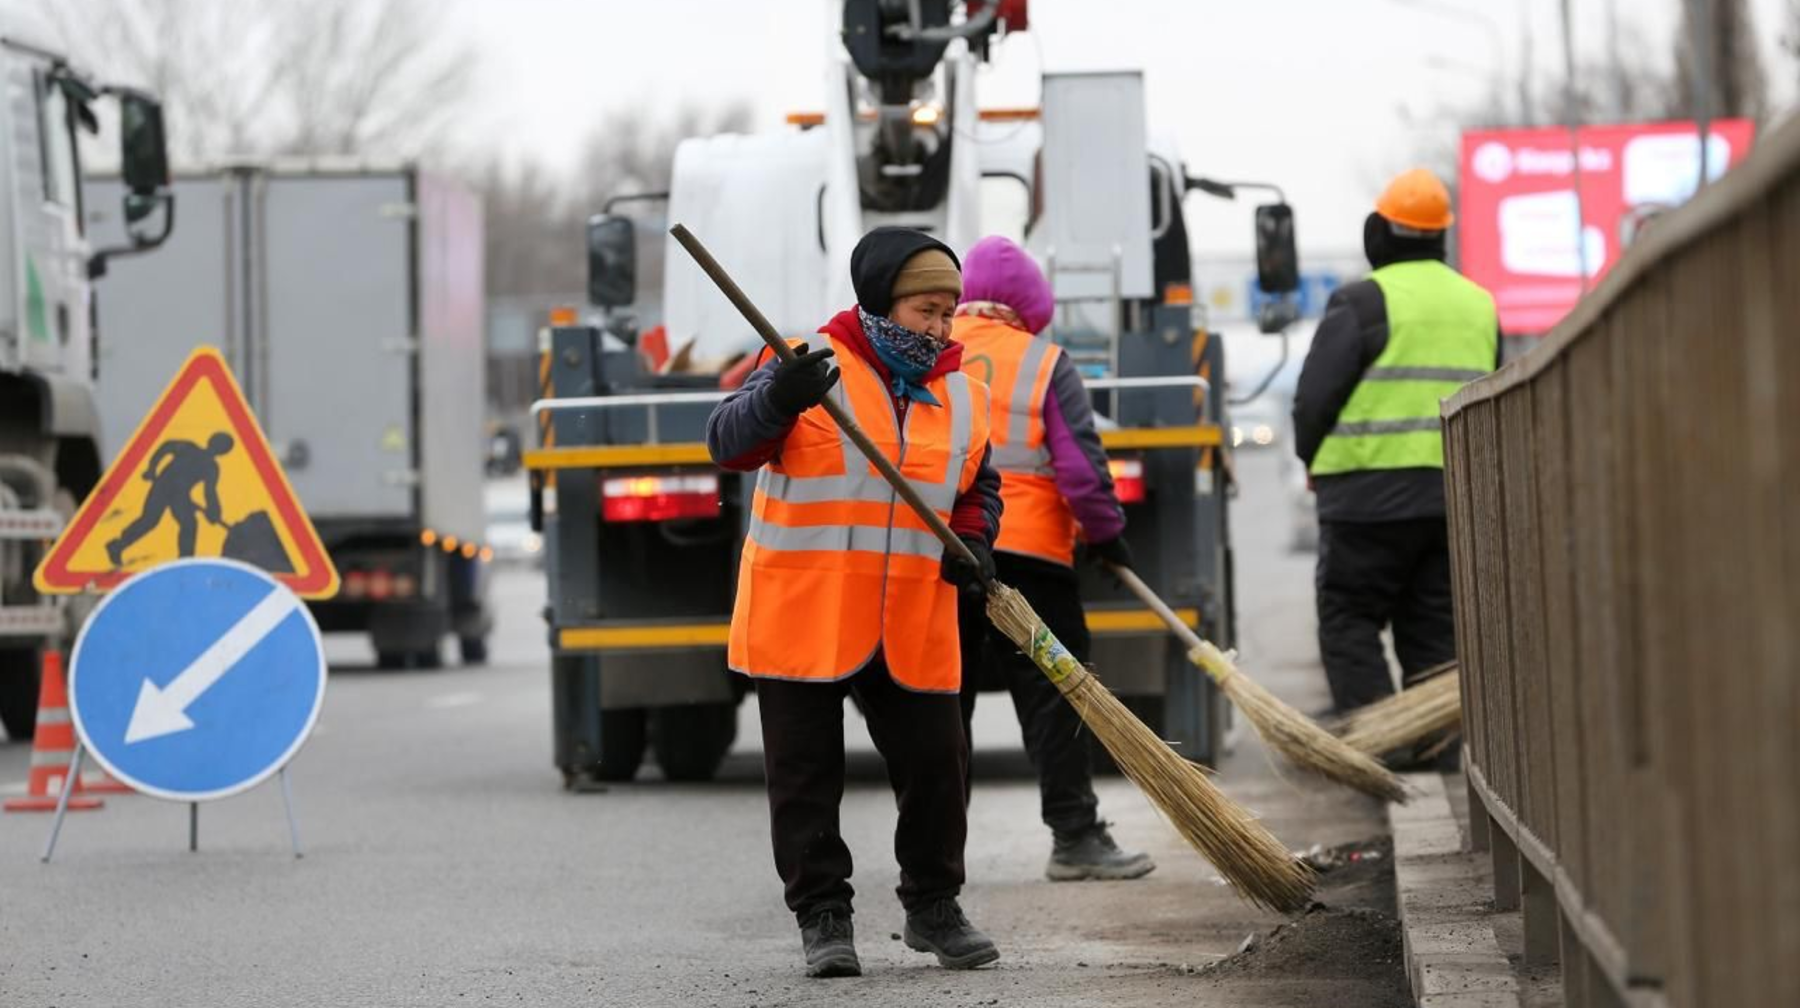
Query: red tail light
<point x="1128" y="479"/>
<point x="381" y="585"/>
<point x="356" y="585"/>
<point x="660" y="498"/>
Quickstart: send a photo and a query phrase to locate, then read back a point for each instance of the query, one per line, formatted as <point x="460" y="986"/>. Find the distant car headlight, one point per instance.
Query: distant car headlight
<point x="1263" y="434"/>
<point x="1237" y="435"/>
<point x="533" y="543"/>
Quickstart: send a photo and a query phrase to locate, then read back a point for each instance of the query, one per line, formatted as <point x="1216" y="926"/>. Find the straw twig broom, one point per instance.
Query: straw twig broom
<point x="1246" y="854"/>
<point x="1408" y="717"/>
<point x="1287" y="731"/>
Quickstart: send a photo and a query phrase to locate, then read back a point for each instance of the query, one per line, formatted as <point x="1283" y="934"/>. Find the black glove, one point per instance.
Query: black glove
<point x="1113" y="551"/>
<point x="801" y="383"/>
<point x="966" y="577"/>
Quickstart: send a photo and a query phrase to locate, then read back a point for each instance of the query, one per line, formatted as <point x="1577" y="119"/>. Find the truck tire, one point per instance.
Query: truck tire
<point x="428" y="658"/>
<point x="691" y="740"/>
<point x="474" y="650"/>
<point x="19" y="692"/>
<point x="622" y="737"/>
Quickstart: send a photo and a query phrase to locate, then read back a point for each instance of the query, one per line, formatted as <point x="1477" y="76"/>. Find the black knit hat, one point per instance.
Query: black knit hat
<point x="877" y="259"/>
<point x="1384" y="247"/>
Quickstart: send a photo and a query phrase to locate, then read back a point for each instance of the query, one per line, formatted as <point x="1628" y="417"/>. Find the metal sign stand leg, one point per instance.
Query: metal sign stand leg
<point x="62" y="801"/>
<point x="193" y="827"/>
<point x="287" y="801"/>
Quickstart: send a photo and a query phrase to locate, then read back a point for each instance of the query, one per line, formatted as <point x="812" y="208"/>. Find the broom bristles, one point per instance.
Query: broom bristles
<point x="1246" y="854"/>
<point x="1294" y="735"/>
<point x="1406" y="718"/>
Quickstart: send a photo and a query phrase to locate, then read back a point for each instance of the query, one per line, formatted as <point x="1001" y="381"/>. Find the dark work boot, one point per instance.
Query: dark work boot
<point x="940" y="928"/>
<point x="830" y="943"/>
<point x="1091" y="854"/>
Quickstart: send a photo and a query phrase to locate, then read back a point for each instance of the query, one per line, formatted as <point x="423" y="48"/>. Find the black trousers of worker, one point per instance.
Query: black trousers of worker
<point x="1373" y="575"/>
<point x="919" y="735"/>
<point x="1056" y="739"/>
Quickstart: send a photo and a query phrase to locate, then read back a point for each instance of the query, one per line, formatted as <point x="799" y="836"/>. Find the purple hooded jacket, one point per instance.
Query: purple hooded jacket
<point x="1000" y="272"/>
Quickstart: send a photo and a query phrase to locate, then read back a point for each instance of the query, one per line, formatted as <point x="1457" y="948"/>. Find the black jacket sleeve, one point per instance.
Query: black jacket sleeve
<point x="1349" y="338"/>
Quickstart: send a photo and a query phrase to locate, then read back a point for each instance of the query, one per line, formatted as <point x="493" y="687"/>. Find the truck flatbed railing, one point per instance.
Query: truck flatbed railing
<point x="653" y="451"/>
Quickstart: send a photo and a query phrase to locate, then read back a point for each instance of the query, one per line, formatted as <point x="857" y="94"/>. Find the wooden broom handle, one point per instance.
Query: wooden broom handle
<point x="1157" y="605"/>
<point x="754" y="316"/>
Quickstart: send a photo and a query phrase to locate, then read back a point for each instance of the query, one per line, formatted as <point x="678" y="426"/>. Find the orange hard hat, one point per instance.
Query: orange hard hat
<point x="1416" y="199"/>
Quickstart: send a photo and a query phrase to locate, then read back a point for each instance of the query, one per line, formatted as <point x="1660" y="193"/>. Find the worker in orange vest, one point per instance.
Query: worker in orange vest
<point x="1056" y="486"/>
<point x="843" y="589"/>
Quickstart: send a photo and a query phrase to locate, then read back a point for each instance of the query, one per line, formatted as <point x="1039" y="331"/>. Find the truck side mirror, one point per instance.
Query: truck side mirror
<point x="612" y="261"/>
<point x="143" y="152"/>
<point x="1277" y="261"/>
<point x="144" y="165"/>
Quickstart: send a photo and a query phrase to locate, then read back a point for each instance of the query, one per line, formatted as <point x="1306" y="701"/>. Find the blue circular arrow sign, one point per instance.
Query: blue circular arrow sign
<point x="197" y="679"/>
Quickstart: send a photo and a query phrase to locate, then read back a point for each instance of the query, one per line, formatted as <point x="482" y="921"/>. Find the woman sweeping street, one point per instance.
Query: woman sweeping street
<point x="842" y="590"/>
<point x="1058" y="491"/>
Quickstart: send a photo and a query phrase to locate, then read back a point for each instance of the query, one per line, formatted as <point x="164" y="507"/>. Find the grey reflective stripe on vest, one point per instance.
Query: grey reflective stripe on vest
<point x="1018" y="408"/>
<point x="962" y="409"/>
<point x="1017" y="455"/>
<point x="1011" y="458"/>
<point x="1407" y="426"/>
<point x="859" y="484"/>
<point x="1422" y="374"/>
<point x="844" y="539"/>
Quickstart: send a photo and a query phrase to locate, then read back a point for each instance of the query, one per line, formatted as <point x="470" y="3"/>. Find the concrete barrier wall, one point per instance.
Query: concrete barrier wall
<point x="1625" y="523"/>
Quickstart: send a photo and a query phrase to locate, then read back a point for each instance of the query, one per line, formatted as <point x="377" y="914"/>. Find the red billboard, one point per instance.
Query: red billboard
<point x="1518" y="213"/>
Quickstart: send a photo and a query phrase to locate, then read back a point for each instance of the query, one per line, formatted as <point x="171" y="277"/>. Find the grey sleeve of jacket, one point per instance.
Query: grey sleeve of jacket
<point x="1349" y="338"/>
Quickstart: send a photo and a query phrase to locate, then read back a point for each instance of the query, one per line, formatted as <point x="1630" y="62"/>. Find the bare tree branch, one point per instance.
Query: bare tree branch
<point x="259" y="77"/>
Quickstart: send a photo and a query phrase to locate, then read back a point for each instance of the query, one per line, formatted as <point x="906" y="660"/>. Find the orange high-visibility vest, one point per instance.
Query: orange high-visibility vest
<point x="836" y="565"/>
<point x="1037" y="520"/>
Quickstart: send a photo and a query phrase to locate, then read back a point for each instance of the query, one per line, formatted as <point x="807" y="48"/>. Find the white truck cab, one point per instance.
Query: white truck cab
<point x="49" y="423"/>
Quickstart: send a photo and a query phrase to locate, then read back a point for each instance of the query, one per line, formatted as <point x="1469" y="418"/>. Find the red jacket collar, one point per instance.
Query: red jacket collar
<point x="846" y="328"/>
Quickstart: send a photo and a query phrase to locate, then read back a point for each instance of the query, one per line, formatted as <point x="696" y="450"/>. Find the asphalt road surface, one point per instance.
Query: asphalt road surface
<point x="445" y="866"/>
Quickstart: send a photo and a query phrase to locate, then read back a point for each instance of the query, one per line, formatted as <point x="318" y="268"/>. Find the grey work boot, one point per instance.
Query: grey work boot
<point x="940" y="928"/>
<point x="1091" y="854"/>
<point x="830" y="943"/>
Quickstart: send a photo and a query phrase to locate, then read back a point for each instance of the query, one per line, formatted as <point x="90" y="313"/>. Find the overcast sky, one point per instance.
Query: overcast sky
<point x="1326" y="97"/>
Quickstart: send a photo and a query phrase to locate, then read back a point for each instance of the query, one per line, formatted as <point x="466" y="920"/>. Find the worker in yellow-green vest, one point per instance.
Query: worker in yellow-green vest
<point x="1366" y="424"/>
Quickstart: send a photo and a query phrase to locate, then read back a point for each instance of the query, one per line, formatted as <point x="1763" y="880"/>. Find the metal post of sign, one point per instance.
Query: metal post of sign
<point x="287" y="801"/>
<point x="193" y="827"/>
<point x="62" y="801"/>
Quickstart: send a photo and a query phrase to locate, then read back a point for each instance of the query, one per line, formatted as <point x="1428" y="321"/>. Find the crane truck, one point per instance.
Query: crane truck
<point x="643" y="534"/>
<point x="49" y="336"/>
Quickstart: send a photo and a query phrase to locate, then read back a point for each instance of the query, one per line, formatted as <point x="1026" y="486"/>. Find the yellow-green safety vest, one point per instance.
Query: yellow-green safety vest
<point x="1442" y="333"/>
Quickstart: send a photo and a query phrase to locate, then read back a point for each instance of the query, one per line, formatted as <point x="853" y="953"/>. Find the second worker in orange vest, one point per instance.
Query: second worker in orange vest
<point x="842" y="589"/>
<point x="1055" y="483"/>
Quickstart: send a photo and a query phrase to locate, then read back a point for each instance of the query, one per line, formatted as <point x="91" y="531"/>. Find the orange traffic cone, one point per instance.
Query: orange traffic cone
<point x="52" y="748"/>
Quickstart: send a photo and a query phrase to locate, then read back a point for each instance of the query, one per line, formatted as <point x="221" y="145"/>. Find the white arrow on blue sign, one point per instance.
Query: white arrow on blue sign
<point x="197" y="679"/>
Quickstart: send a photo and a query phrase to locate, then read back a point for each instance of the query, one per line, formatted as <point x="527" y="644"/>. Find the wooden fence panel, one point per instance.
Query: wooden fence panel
<point x="1625" y="520"/>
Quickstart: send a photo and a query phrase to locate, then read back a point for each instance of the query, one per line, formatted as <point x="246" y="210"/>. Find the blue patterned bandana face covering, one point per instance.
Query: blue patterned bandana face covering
<point x="908" y="355"/>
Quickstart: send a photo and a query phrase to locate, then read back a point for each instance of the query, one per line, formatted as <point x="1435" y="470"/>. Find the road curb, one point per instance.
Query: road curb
<point x="1445" y="896"/>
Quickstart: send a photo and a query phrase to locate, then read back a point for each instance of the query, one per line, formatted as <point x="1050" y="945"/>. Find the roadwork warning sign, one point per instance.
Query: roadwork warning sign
<point x="197" y="479"/>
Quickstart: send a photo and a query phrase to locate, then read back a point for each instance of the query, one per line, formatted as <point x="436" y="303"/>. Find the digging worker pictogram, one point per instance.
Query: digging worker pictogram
<point x="173" y="473"/>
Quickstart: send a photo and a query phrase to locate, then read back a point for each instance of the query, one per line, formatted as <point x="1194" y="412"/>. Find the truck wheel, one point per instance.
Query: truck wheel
<point x="622" y="735"/>
<point x="19" y="692"/>
<point x="691" y="740"/>
<point x="473" y="650"/>
<point x="426" y="658"/>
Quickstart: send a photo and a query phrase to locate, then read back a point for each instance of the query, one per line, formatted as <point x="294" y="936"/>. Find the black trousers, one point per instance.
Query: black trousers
<point x="920" y="737"/>
<point x="1373" y="575"/>
<point x="1056" y="739"/>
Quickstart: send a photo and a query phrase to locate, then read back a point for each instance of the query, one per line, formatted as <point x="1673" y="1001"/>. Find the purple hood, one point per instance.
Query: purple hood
<point x="997" y="270"/>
